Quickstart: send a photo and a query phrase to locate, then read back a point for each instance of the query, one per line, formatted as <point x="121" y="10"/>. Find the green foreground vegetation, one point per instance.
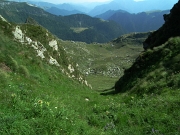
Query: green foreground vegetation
<point x="43" y="92"/>
<point x="36" y="98"/>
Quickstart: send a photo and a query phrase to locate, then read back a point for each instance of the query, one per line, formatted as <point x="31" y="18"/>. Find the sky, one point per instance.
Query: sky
<point x="80" y="1"/>
<point x="83" y="1"/>
<point x="75" y="1"/>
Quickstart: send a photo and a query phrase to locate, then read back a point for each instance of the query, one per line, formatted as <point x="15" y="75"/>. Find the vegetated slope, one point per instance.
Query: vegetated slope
<point x="63" y="12"/>
<point x="107" y="61"/>
<point x="140" y="22"/>
<point x="36" y="45"/>
<point x="105" y="7"/>
<point x="106" y="15"/>
<point x="135" y="39"/>
<point x="65" y="7"/>
<point x="37" y="81"/>
<point x="156" y="70"/>
<point x="89" y="29"/>
<point x="37" y="98"/>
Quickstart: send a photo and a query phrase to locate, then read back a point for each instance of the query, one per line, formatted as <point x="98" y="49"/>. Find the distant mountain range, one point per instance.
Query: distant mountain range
<point x="94" y="8"/>
<point x="68" y="23"/>
<point x="140" y="22"/>
<point x="62" y="12"/>
<point x="133" y="7"/>
<point x="77" y="27"/>
<point x="59" y="9"/>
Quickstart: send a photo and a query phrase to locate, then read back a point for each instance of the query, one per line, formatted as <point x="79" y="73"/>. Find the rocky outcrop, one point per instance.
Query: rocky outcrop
<point x="171" y="28"/>
<point x="48" y="49"/>
<point x="2" y="18"/>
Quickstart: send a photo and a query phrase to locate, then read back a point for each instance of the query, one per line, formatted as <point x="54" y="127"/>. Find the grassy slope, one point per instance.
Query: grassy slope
<point x="156" y="70"/>
<point x="42" y="100"/>
<point x="106" y="61"/>
<point x="153" y="70"/>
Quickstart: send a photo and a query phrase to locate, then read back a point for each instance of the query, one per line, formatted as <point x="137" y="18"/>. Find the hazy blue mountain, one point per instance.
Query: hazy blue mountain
<point x="94" y="9"/>
<point x="75" y="8"/>
<point x="71" y="7"/>
<point x="146" y="5"/>
<point x="133" y="7"/>
<point x="63" y="12"/>
<point x="141" y="22"/>
<point x="109" y="13"/>
<point x="44" y="5"/>
<point x="103" y="8"/>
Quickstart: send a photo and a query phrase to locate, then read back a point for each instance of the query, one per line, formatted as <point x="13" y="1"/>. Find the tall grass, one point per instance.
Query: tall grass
<point x="3" y="77"/>
<point x="36" y="98"/>
<point x="23" y="70"/>
<point x="12" y="63"/>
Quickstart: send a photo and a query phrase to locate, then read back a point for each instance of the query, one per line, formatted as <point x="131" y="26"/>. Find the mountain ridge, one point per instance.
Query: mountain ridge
<point x="62" y="26"/>
<point x="169" y="29"/>
<point x="156" y="70"/>
<point x="140" y="22"/>
<point x="132" y="6"/>
<point x="62" y="12"/>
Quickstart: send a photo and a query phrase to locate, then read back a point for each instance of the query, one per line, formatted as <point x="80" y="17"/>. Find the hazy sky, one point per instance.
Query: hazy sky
<point x="87" y="1"/>
<point x="75" y="1"/>
<point x="79" y="1"/>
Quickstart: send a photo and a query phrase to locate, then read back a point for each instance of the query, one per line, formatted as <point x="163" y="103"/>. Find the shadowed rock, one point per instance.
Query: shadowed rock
<point x="171" y="28"/>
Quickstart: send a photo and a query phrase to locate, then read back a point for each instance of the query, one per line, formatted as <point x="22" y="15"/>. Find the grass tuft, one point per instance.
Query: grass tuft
<point x="3" y="77"/>
<point x="12" y="63"/>
<point x="23" y="70"/>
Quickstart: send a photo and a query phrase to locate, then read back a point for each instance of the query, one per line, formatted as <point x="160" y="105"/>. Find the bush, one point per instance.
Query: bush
<point x="176" y="80"/>
<point x="166" y="53"/>
<point x="151" y="75"/>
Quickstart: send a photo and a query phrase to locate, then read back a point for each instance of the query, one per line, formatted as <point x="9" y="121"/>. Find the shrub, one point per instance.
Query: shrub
<point x="144" y="84"/>
<point x="176" y="81"/>
<point x="173" y="43"/>
<point x="177" y="67"/>
<point x="174" y="63"/>
<point x="164" y="74"/>
<point x="151" y="75"/>
<point x="166" y="53"/>
<point x="149" y="52"/>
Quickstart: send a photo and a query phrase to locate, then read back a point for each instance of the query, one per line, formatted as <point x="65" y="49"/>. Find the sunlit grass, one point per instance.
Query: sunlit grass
<point x="78" y="29"/>
<point x="37" y="98"/>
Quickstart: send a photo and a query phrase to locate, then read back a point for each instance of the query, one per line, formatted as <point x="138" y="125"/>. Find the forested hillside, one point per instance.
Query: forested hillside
<point x="140" y="22"/>
<point x="75" y="27"/>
